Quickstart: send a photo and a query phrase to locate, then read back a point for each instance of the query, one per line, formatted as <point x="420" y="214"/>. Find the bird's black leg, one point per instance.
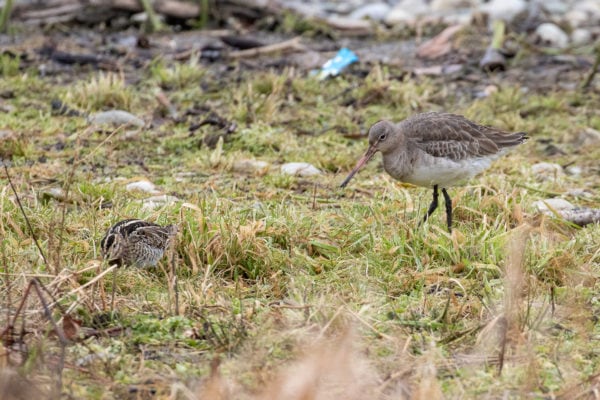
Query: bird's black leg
<point x="448" y="201"/>
<point x="434" y="203"/>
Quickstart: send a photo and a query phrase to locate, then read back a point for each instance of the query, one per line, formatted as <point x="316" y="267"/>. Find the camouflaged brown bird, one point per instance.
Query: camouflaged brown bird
<point x="436" y="150"/>
<point x="136" y="243"/>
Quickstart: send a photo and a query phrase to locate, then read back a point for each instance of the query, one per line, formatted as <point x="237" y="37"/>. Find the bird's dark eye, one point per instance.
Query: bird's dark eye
<point x="382" y="137"/>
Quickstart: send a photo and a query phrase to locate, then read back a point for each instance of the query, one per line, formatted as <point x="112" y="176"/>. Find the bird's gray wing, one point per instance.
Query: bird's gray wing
<point x="457" y="138"/>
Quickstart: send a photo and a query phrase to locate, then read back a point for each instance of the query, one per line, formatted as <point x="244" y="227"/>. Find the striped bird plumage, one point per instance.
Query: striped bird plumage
<point x="135" y="242"/>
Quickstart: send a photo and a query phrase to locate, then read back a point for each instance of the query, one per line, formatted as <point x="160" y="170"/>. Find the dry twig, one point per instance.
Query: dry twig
<point x="288" y="45"/>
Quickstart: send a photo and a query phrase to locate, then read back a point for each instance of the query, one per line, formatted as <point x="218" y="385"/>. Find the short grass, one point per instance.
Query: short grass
<point x="291" y="287"/>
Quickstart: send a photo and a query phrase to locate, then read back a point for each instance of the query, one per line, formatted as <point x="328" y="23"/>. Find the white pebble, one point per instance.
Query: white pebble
<point x="504" y="9"/>
<point x="375" y="11"/>
<point x="547" y="171"/>
<point x="579" y="192"/>
<point x="546" y="206"/>
<point x="115" y="117"/>
<point x="588" y="137"/>
<point x="249" y="166"/>
<point x="415" y="7"/>
<point x="552" y="35"/>
<point x="55" y="193"/>
<point x="299" y="169"/>
<point x="399" y="16"/>
<point x="143" y="186"/>
<point x="573" y="170"/>
<point x="6" y="134"/>
<point x="349" y="24"/>
<point x="591" y="8"/>
<point x="581" y="36"/>
<point x="448" y="5"/>
<point x="576" y="18"/>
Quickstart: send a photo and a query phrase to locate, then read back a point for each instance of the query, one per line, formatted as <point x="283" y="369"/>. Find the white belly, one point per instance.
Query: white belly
<point x="444" y="172"/>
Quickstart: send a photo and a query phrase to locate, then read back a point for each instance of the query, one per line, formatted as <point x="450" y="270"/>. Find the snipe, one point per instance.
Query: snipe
<point x="135" y="242"/>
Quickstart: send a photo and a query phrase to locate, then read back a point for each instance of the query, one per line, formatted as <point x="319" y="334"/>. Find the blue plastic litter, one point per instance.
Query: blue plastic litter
<point x="342" y="59"/>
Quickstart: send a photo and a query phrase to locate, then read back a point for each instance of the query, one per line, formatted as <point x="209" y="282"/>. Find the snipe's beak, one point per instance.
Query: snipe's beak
<point x="361" y="163"/>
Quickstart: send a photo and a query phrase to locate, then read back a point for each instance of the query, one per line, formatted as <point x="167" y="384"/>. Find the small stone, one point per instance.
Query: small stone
<point x="591" y="8"/>
<point x="581" y="36"/>
<point x="579" y="193"/>
<point x="115" y="117"/>
<point x="143" y="186"/>
<point x="434" y="70"/>
<point x="307" y="60"/>
<point x="139" y="18"/>
<point x="399" y="16"/>
<point x="7" y="108"/>
<point x="552" y="35"/>
<point x="449" y="5"/>
<point x="588" y="137"/>
<point x="578" y="215"/>
<point x="305" y="9"/>
<point x="55" y="193"/>
<point x="374" y="11"/>
<point x="492" y="60"/>
<point x="129" y="41"/>
<point x="573" y="170"/>
<point x="576" y="18"/>
<point x="299" y="169"/>
<point x="546" y="171"/>
<point x="349" y="24"/>
<point x="546" y="206"/>
<point x="504" y="9"/>
<point x="251" y="166"/>
<point x="490" y="89"/>
<point x="6" y="134"/>
<point x="184" y="176"/>
<point x="131" y="135"/>
<point x="462" y="17"/>
<point x="415" y="7"/>
<point x="554" y="6"/>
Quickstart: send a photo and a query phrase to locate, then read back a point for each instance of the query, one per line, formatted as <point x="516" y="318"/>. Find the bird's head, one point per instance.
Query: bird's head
<point x="111" y="248"/>
<point x="384" y="137"/>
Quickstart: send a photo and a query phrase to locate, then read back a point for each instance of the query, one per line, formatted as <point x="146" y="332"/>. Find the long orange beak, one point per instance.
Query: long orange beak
<point x="361" y="163"/>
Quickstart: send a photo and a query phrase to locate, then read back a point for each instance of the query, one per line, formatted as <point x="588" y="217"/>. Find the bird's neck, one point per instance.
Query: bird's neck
<point x="396" y="162"/>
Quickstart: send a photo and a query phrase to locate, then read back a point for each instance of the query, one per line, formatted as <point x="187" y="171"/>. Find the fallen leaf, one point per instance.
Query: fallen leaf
<point x="440" y="44"/>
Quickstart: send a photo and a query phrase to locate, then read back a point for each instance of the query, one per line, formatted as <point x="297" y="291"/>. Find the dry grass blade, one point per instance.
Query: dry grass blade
<point x="515" y="280"/>
<point x="214" y="387"/>
<point x="332" y="369"/>
<point x="15" y="386"/>
<point x="8" y="336"/>
<point x="87" y="284"/>
<point x="31" y="231"/>
<point x="428" y="386"/>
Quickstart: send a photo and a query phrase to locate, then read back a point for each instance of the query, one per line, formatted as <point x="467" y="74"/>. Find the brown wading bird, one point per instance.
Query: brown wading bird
<point x="136" y="243"/>
<point x="436" y="150"/>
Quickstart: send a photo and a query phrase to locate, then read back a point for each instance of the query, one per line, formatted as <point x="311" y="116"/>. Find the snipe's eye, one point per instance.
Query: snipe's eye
<point x="382" y="137"/>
